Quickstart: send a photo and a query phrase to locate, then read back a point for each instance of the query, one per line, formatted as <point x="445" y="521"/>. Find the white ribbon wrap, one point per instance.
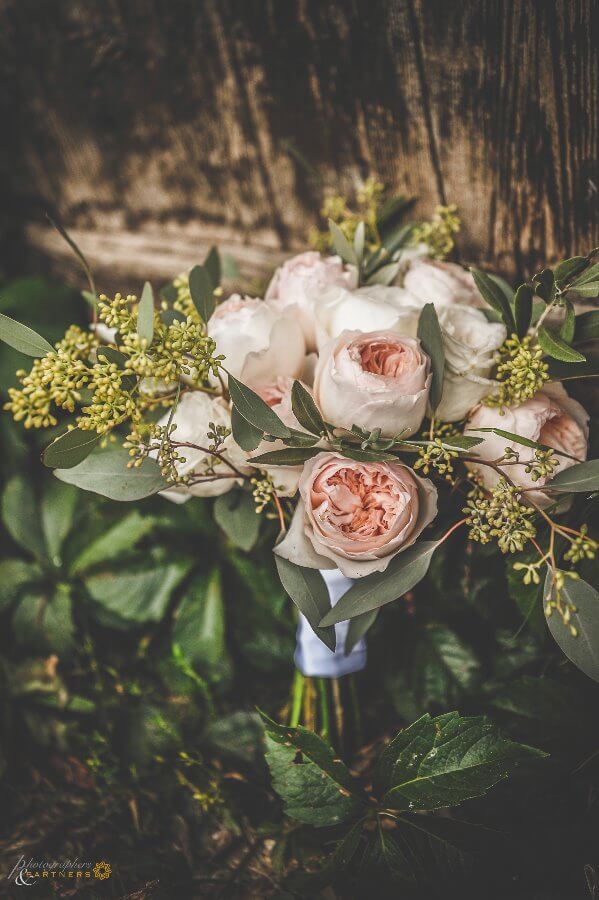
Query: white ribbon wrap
<point x="312" y="657"/>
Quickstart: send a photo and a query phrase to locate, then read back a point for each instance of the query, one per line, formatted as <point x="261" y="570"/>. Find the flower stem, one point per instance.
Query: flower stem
<point x="325" y="724"/>
<point x="296" y="704"/>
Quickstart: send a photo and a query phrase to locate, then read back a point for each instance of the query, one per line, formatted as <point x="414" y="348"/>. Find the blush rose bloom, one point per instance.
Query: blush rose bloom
<point x="374" y="380"/>
<point x="441" y="283"/>
<point x="375" y="307"/>
<point x="258" y="342"/>
<point x="192" y="417"/>
<point x="470" y="343"/>
<point x="356" y="516"/>
<point x="551" y="417"/>
<point x="299" y="282"/>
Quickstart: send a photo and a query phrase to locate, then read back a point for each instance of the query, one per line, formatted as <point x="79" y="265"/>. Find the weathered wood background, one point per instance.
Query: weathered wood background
<point x="152" y="128"/>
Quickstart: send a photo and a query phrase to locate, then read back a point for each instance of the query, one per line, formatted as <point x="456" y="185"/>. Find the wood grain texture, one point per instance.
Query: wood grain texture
<point x="155" y="126"/>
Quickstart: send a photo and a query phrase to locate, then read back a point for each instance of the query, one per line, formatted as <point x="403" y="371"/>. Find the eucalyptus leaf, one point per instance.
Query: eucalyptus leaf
<point x="70" y="449"/>
<point x="579" y="638"/>
<point x="523" y="441"/>
<point x="568" y="326"/>
<point x="588" y="289"/>
<point x="590" y="275"/>
<point x="431" y="338"/>
<point x="308" y="590"/>
<point x="105" y="472"/>
<point x="401" y="575"/>
<point x="316" y="788"/>
<point x="212" y="265"/>
<point x="359" y="242"/>
<point x="291" y="456"/>
<point x="553" y="345"/>
<point x="385" y="274"/>
<point x="244" y="433"/>
<point x="202" y="292"/>
<point x="358" y="627"/>
<point x="305" y="410"/>
<point x="577" y="479"/>
<point x="569" y="268"/>
<point x="342" y="246"/>
<point x="145" y="314"/>
<point x="254" y="410"/>
<point x="523" y="309"/>
<point x="495" y="297"/>
<point x="236" y="514"/>
<point x="22" y="338"/>
<point x="586" y="326"/>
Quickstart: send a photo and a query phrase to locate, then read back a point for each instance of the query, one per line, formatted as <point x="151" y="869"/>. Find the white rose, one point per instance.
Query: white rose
<point x="551" y="417"/>
<point x="441" y="283"/>
<point x="298" y="283"/>
<point x="258" y="342"/>
<point x="374" y="380"/>
<point x="371" y="308"/>
<point x="470" y="342"/>
<point x="192" y="417"/>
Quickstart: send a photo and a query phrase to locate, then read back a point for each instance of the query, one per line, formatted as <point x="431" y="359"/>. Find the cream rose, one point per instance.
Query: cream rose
<point x="441" y="283"/>
<point x="372" y="308"/>
<point x="550" y="417"/>
<point x="356" y="516"/>
<point x="192" y="417"/>
<point x="470" y="343"/>
<point x="258" y="342"/>
<point x="374" y="380"/>
<point x="298" y="283"/>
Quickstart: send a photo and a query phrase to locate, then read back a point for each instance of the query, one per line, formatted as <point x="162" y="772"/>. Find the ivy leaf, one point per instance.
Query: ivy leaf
<point x="523" y="309"/>
<point x="373" y="591"/>
<point x="21" y="517"/>
<point x="70" y="449"/>
<point x="145" y="314"/>
<point x="577" y="479"/>
<point x="236" y="514"/>
<point x="255" y="411"/>
<point x="431" y="338"/>
<point x="307" y="589"/>
<point x="342" y="246"/>
<point x="316" y="788"/>
<point x="129" y="599"/>
<point x="118" y="539"/>
<point x="244" y="433"/>
<point x="202" y="292"/>
<point x="199" y="627"/>
<point x="553" y="345"/>
<point x="22" y="338"/>
<point x="106" y="473"/>
<point x="212" y="265"/>
<point x="305" y="410"/>
<point x="495" y="297"/>
<point x="442" y="761"/>
<point x="582" y="647"/>
<point x="291" y="456"/>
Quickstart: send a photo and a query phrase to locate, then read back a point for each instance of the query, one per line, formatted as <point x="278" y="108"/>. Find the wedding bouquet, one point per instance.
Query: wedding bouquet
<point x="375" y="400"/>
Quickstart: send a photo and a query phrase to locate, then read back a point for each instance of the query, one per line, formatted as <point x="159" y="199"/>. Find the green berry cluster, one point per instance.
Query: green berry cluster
<point x="521" y="372"/>
<point x="438" y="234"/>
<point x="438" y="457"/>
<point x="501" y="516"/>
<point x="582" y="547"/>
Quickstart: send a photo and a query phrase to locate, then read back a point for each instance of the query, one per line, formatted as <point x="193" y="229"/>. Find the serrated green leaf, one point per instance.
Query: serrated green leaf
<point x="236" y="514"/>
<point x="523" y="309"/>
<point x="579" y="638"/>
<point x="553" y="345"/>
<point x="70" y="449"/>
<point x="129" y="599"/>
<point x="443" y="761"/>
<point x="577" y="479"/>
<point x="59" y="502"/>
<point x="316" y="788"/>
<point x="255" y="411"/>
<point x="307" y="589"/>
<point x="145" y="314"/>
<point x="495" y="297"/>
<point x="20" y="514"/>
<point x="244" y="433"/>
<point x="305" y="410"/>
<point x="373" y="591"/>
<point x="431" y="338"/>
<point x="105" y="472"/>
<point x="199" y="627"/>
<point x="118" y="539"/>
<point x="202" y="292"/>
<point x="22" y="338"/>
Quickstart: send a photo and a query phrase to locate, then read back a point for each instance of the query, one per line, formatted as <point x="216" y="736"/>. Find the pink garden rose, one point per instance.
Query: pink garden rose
<point x="259" y="343"/>
<point x="441" y="283"/>
<point x="356" y="516"/>
<point x="550" y="417"/>
<point x="300" y="281"/>
<point x="374" y="380"/>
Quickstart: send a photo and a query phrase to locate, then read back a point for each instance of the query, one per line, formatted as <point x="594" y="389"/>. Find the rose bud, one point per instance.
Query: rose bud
<point x="550" y="418"/>
<point x="356" y="516"/>
<point x="441" y="283"/>
<point x="374" y="380"/>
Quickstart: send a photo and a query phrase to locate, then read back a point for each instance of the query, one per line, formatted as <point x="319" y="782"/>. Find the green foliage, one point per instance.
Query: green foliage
<point x="429" y="332"/>
<point x="105" y="472"/>
<point x="235" y="512"/>
<point x="307" y="589"/>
